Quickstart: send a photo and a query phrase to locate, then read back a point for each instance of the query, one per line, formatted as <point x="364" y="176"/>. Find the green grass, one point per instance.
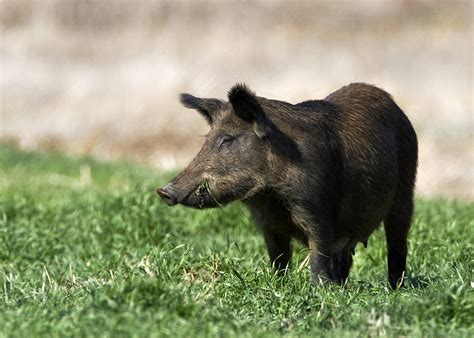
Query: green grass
<point x="87" y="249"/>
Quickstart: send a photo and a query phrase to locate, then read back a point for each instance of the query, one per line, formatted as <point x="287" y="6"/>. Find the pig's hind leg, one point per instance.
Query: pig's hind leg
<point x="397" y="225"/>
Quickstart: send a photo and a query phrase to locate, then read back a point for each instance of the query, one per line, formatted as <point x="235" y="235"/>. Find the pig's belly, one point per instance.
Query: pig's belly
<point x="357" y="219"/>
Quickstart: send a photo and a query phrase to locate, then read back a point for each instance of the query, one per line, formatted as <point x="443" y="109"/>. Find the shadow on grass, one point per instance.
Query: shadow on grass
<point x="410" y="282"/>
<point x="419" y="282"/>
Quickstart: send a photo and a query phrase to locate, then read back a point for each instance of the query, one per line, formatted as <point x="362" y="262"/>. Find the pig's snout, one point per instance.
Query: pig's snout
<point x="168" y="195"/>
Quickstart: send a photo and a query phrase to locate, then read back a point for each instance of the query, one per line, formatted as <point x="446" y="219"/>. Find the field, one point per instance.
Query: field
<point x="87" y="249"/>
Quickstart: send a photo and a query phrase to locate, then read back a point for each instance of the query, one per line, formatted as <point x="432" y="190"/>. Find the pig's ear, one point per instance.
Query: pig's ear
<point x="247" y="107"/>
<point x="207" y="107"/>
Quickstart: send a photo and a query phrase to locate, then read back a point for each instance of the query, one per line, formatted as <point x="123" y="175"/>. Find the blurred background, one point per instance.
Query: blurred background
<point x="103" y="77"/>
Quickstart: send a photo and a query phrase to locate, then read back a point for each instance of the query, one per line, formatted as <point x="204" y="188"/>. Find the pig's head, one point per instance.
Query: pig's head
<point x="232" y="162"/>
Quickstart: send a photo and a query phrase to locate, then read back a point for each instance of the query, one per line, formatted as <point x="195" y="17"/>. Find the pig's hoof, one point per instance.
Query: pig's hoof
<point x="320" y="279"/>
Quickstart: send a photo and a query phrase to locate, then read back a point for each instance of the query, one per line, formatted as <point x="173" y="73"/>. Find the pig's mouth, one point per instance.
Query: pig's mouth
<point x="198" y="197"/>
<point x="201" y="197"/>
<point x="205" y="196"/>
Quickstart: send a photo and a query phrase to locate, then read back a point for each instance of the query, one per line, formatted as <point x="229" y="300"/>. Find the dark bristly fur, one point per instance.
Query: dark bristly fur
<point x="326" y="172"/>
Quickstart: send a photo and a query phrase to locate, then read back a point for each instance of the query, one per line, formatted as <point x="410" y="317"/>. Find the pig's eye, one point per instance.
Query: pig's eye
<point x="226" y="141"/>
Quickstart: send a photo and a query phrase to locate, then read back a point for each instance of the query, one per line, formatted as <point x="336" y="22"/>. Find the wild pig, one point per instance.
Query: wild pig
<point x="326" y="172"/>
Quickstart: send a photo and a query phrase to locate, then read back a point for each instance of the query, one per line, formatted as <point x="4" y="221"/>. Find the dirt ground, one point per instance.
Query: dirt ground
<point x="89" y="77"/>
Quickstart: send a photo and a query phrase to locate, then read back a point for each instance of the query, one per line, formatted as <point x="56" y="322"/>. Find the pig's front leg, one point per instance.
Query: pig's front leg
<point x="320" y="261"/>
<point x="318" y="231"/>
<point x="272" y="218"/>
<point x="279" y="248"/>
